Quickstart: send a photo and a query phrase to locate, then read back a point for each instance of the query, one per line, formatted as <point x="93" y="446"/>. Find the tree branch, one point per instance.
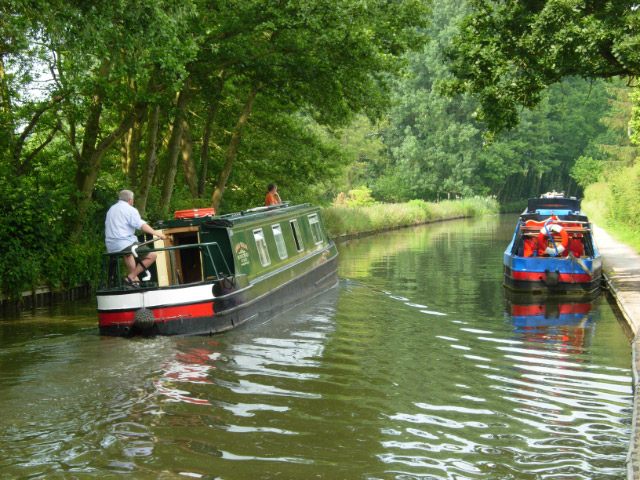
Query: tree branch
<point x="22" y="167"/>
<point x="34" y="120"/>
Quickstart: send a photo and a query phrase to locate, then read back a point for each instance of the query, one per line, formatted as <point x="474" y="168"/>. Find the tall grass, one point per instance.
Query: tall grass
<point x="606" y="210"/>
<point x="350" y="220"/>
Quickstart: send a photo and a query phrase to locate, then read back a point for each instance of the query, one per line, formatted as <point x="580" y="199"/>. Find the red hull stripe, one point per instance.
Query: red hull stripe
<point x="163" y="314"/>
<point x="563" y="277"/>
<point x="535" y="310"/>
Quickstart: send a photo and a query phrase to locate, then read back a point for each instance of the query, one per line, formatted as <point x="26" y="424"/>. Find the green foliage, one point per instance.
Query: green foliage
<point x="357" y="197"/>
<point x="625" y="195"/>
<point x="513" y="207"/>
<point x="601" y="207"/>
<point x="507" y="53"/>
<point x="437" y="148"/>
<point x="614" y="200"/>
<point x="391" y="187"/>
<point x="586" y="171"/>
<point x="349" y="220"/>
<point x="36" y="248"/>
<point x="634" y="121"/>
<point x="69" y="141"/>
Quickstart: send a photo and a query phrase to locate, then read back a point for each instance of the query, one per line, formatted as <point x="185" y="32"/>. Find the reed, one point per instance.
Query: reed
<point x="342" y="220"/>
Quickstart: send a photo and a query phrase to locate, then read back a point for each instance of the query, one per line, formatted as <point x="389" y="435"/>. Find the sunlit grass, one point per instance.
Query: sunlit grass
<point x="597" y="204"/>
<point x="350" y="220"/>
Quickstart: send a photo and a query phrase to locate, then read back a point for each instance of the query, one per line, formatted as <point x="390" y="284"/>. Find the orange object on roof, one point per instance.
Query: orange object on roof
<point x="195" y="213"/>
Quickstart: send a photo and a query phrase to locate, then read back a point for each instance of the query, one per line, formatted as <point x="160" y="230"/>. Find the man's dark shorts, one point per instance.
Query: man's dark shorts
<point x="142" y="251"/>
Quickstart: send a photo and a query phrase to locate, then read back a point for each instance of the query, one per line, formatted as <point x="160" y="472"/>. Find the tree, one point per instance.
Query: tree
<point x="507" y="53"/>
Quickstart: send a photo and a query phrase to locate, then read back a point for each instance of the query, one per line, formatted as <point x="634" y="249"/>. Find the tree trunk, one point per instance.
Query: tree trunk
<point x="174" y="149"/>
<point x="132" y="147"/>
<point x="5" y="98"/>
<point x="204" y="149"/>
<point x="233" y="148"/>
<point x="124" y="152"/>
<point x="7" y="124"/>
<point x="206" y="135"/>
<point x="152" y="161"/>
<point x="188" y="165"/>
<point x="89" y="167"/>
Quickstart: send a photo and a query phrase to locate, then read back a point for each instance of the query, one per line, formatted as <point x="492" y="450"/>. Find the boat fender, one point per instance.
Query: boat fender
<point x="546" y="231"/>
<point x="144" y="319"/>
<point x="551" y="279"/>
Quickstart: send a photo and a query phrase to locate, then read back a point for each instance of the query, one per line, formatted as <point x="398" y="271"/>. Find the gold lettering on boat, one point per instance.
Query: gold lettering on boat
<point x="242" y="253"/>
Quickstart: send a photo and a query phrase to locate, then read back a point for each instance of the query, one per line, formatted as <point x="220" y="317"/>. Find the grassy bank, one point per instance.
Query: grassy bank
<point x="351" y="220"/>
<point x="603" y="209"/>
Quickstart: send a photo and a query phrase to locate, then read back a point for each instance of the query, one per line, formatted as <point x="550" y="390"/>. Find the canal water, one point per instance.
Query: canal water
<point x="414" y="366"/>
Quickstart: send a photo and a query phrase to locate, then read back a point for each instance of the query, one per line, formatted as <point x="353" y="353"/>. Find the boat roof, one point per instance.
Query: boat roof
<point x="570" y="204"/>
<point x="251" y="215"/>
<point x="565" y="208"/>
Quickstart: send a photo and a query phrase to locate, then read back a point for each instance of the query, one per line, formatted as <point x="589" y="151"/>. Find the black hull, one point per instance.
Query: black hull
<point x="255" y="302"/>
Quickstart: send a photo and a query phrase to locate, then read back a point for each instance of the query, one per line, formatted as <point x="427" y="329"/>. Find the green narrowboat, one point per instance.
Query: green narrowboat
<point x="214" y="273"/>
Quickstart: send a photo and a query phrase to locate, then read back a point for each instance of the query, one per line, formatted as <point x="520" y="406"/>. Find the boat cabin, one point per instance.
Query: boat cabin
<point x="249" y="243"/>
<point x="553" y="227"/>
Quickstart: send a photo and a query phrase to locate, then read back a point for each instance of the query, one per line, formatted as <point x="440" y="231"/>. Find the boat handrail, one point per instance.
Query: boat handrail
<point x="533" y="231"/>
<point x="263" y="209"/>
<point x="112" y="255"/>
<point x="559" y="220"/>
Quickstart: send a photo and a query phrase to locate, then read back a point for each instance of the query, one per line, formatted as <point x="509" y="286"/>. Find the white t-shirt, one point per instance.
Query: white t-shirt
<point x="120" y="226"/>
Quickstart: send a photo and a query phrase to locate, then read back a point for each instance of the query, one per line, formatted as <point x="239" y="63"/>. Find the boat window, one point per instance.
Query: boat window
<point x="295" y="229"/>
<point x="261" y="244"/>
<point x="314" y="223"/>
<point x="277" y="234"/>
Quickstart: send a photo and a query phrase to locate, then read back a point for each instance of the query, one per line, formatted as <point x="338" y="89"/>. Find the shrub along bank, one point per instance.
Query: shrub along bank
<point x="343" y="220"/>
<point x="614" y="205"/>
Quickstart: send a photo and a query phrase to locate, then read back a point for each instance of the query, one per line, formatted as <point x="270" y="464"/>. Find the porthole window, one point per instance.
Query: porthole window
<point x="261" y="245"/>
<point x="316" y="231"/>
<point x="280" y="245"/>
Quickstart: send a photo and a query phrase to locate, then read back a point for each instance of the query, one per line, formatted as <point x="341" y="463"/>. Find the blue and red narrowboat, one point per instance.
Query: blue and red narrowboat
<point x="552" y="250"/>
<point x="214" y="273"/>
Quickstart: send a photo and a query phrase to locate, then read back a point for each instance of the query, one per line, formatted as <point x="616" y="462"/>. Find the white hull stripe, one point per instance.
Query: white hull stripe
<point x="156" y="298"/>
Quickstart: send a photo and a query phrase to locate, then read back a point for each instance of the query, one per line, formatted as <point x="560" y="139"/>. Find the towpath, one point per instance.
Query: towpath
<point x="622" y="267"/>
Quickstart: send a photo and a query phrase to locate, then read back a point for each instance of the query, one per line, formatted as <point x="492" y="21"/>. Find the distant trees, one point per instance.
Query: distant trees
<point x="438" y="146"/>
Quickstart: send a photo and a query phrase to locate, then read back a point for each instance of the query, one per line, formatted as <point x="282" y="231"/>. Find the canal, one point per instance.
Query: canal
<point x="414" y="366"/>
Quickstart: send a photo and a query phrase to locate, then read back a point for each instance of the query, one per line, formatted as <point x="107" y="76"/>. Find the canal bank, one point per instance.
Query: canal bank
<point x="622" y="270"/>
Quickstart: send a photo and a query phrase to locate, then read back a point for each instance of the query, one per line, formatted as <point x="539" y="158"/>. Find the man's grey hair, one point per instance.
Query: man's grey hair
<point x="125" y="195"/>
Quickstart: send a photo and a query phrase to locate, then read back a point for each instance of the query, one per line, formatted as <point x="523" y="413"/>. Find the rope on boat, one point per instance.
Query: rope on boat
<point x="546" y="229"/>
<point x="579" y="262"/>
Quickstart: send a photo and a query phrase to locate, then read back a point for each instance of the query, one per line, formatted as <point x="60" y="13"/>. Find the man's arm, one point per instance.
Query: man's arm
<point x="147" y="229"/>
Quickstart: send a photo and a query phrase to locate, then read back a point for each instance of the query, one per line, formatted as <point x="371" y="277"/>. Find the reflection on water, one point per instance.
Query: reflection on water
<point x="415" y="366"/>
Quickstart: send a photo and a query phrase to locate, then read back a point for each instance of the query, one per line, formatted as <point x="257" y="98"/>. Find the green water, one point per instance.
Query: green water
<point x="414" y="366"/>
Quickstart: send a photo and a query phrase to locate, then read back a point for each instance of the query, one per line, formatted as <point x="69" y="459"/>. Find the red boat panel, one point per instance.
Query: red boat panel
<point x="163" y="314"/>
<point x="540" y="309"/>
<point x="562" y="277"/>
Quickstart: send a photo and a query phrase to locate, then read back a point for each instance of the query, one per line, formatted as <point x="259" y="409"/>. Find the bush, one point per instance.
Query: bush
<point x="625" y="193"/>
<point x="358" y="197"/>
<point x="341" y="219"/>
